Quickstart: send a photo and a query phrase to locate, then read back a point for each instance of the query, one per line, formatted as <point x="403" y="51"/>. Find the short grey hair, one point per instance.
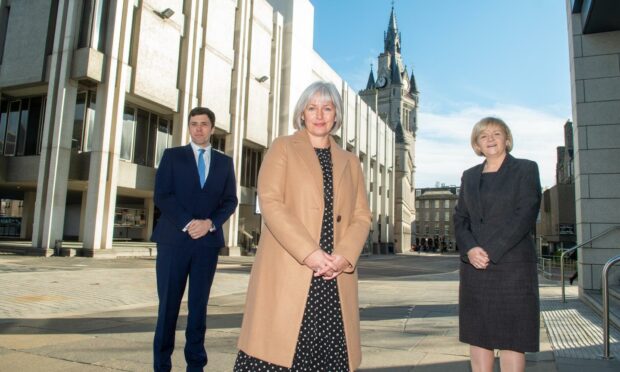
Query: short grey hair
<point x="326" y="91"/>
<point x="482" y="125"/>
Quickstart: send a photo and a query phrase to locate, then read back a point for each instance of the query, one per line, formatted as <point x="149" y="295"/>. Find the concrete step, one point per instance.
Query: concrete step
<point x="594" y="299"/>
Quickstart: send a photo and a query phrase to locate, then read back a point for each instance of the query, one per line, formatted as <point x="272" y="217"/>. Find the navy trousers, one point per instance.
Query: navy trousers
<point x="174" y="266"/>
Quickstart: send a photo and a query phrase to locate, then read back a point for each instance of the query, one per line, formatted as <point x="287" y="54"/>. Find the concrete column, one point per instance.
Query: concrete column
<point x="55" y="157"/>
<point x="234" y="141"/>
<point x="28" y="214"/>
<point x="104" y="158"/>
<point x="149" y="208"/>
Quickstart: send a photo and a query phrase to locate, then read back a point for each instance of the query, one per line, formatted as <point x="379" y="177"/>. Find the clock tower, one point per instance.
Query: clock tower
<point x="394" y="97"/>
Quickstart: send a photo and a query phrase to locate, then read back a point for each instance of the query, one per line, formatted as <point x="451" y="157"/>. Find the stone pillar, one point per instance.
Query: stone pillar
<point x="104" y="158"/>
<point x="55" y="156"/>
<point x="234" y="141"/>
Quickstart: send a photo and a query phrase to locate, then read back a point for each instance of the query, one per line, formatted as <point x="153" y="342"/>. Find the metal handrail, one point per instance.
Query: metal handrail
<point x="605" y="286"/>
<point x="571" y="250"/>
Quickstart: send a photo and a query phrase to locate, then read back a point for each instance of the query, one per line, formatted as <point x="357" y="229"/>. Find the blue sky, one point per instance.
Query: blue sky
<point x="471" y="59"/>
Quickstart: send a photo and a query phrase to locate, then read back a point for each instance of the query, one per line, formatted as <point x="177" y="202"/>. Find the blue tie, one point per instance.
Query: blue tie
<point x="201" y="166"/>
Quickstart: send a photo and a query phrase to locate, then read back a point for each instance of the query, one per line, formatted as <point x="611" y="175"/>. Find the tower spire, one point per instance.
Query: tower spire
<point x="392" y="36"/>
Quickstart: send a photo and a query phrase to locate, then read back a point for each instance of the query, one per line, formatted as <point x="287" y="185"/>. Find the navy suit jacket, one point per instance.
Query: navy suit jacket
<point x="504" y="231"/>
<point x="180" y="198"/>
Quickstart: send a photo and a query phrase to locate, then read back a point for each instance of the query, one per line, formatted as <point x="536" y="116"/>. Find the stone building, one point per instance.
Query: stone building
<point x="394" y="95"/>
<point x="594" y="51"/>
<point x="434" y="228"/>
<point x="556" y="226"/>
<point x="93" y="91"/>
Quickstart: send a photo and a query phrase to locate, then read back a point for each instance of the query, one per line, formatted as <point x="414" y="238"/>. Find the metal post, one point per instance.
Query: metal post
<point x="604" y="286"/>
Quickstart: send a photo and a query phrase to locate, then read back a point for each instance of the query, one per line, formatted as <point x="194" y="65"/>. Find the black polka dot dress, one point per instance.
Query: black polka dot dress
<point x="321" y="345"/>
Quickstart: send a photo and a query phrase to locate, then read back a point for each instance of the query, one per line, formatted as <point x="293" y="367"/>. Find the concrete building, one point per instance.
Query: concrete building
<point x="434" y="227"/>
<point x="594" y="46"/>
<point x="556" y="226"/>
<point x="92" y="92"/>
<point x="394" y="96"/>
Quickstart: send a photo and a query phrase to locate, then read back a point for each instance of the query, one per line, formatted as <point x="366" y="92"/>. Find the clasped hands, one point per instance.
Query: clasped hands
<point x="199" y="228"/>
<point x="329" y="266"/>
<point x="478" y="258"/>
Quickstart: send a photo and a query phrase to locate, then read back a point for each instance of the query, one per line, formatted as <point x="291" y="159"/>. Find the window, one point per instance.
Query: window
<point x="427" y="204"/>
<point x="129" y="124"/>
<point x="20" y="126"/>
<point x="436" y="203"/>
<point x="145" y="137"/>
<point x="436" y="229"/>
<point x="250" y="165"/>
<point x="417" y="204"/>
<point x="4" y="26"/>
<point x="427" y="229"/>
<point x="446" y="204"/>
<point x="218" y="142"/>
<point x="447" y="216"/>
<point x="84" y="121"/>
<point x="446" y="231"/>
<point x="427" y="216"/>
<point x="93" y="24"/>
<point x="436" y="216"/>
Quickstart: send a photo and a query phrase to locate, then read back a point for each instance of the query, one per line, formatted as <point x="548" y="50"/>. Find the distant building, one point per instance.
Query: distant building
<point x="556" y="226"/>
<point x="433" y="228"/>
<point x="394" y="97"/>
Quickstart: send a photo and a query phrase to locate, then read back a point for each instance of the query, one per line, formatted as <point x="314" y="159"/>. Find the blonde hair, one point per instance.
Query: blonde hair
<point x="482" y="125"/>
<point x="327" y="92"/>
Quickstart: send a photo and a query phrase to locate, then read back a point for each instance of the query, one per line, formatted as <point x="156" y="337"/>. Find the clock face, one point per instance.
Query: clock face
<point x="381" y="81"/>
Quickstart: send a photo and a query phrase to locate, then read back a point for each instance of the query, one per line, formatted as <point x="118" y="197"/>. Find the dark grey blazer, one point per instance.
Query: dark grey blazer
<point x="504" y="231"/>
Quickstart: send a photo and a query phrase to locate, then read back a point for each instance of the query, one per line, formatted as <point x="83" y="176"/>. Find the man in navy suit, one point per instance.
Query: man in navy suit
<point x="195" y="191"/>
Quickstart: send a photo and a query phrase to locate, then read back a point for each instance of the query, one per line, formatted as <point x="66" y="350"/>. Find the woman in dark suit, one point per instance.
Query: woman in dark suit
<point x="496" y="212"/>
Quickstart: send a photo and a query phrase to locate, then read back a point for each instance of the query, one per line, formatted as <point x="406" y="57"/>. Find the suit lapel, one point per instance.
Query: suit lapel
<point x="191" y="160"/>
<point x="213" y="164"/>
<point x="474" y="186"/>
<point x="305" y="150"/>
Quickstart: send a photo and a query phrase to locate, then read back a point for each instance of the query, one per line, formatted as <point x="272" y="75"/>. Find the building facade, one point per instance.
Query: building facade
<point x="93" y="91"/>
<point x="556" y="226"/>
<point x="394" y="96"/>
<point x="434" y="228"/>
<point x="594" y="51"/>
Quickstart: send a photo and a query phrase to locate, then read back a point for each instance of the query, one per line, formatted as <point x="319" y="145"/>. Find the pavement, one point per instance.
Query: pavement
<point x="83" y="314"/>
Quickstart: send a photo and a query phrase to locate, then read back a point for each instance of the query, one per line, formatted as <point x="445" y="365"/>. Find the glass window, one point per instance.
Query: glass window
<point x="90" y="122"/>
<point x="78" y="121"/>
<point x="152" y="146"/>
<point x="447" y="216"/>
<point x="427" y="204"/>
<point x="93" y="24"/>
<point x="164" y="138"/>
<point x="446" y="230"/>
<point x="436" y="203"/>
<point x="23" y="127"/>
<point x="436" y="216"/>
<point x="417" y="204"/>
<point x="446" y="204"/>
<point x="4" y="114"/>
<point x="12" y="128"/>
<point x="129" y="124"/>
<point x="35" y="116"/>
<point x="141" y="137"/>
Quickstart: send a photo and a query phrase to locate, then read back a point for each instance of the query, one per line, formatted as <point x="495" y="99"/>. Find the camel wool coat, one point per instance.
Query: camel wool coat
<point x="290" y="194"/>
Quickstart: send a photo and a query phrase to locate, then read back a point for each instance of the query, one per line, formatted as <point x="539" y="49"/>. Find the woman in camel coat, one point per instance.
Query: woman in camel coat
<point x="302" y="204"/>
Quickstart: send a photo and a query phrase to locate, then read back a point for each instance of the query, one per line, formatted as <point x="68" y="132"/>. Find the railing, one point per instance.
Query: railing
<point x="605" y="287"/>
<point x="570" y="250"/>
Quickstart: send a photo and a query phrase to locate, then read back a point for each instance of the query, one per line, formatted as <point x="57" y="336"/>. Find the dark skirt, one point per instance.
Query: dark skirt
<point x="499" y="306"/>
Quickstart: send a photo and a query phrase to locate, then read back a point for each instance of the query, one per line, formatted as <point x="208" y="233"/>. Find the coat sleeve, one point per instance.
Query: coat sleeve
<point x="165" y="196"/>
<point x="350" y="246"/>
<point x="285" y="226"/>
<point x="228" y="201"/>
<point x="524" y="215"/>
<point x="462" y="223"/>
